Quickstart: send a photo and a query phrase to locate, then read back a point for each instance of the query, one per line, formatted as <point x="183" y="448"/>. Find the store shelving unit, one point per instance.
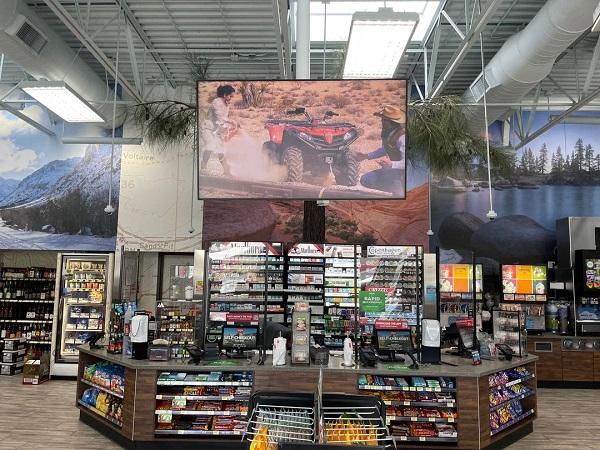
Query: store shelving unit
<point x="342" y="284"/>
<point x="512" y="398"/>
<point x="244" y="277"/>
<point x="203" y="403"/>
<point x="419" y="410"/>
<point x="305" y="276"/>
<point x="102" y="380"/>
<point x="509" y="329"/>
<point x="27" y="305"/>
<point x="84" y="291"/>
<point x="398" y="272"/>
<point x="178" y="322"/>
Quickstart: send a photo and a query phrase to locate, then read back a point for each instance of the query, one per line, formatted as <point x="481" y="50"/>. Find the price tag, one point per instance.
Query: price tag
<point x="450" y="420"/>
<point x="166" y="417"/>
<point x="431" y="419"/>
<point x="422" y="439"/>
<point x="413" y="419"/>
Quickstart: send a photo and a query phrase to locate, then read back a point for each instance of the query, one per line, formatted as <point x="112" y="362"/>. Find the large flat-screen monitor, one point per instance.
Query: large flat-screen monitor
<point x="328" y="139"/>
<point x="239" y="338"/>
<point x="526" y="283"/>
<point x="458" y="279"/>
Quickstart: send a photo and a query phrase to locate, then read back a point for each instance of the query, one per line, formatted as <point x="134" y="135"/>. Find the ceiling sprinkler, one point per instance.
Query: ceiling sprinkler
<point x="491" y="214"/>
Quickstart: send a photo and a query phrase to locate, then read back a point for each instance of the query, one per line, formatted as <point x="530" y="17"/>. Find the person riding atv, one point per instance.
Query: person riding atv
<point x="217" y="129"/>
<point x="313" y="146"/>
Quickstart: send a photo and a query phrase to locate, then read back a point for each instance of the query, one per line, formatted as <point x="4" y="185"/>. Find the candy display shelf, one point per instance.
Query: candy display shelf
<point x="202" y="403"/>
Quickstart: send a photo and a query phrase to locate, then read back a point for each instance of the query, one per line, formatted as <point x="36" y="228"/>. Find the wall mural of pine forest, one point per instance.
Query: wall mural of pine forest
<point x="556" y="175"/>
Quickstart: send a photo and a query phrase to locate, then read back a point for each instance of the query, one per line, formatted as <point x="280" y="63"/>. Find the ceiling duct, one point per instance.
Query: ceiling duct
<point x="28" y="41"/>
<point x="527" y="57"/>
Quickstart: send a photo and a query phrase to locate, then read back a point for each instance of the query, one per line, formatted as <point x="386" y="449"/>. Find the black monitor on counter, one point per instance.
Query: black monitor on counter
<point x="392" y="343"/>
<point x="237" y="340"/>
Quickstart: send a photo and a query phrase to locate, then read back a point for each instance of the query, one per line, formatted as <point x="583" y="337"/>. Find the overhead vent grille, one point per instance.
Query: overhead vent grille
<point x="478" y="87"/>
<point x="31" y="37"/>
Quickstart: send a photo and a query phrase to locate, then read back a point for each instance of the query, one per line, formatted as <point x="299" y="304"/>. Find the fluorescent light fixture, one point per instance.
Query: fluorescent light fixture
<point x="339" y="16"/>
<point x="376" y="43"/>
<point x="596" y="25"/>
<point x="63" y="101"/>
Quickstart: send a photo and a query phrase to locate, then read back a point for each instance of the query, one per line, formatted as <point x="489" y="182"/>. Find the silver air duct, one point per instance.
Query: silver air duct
<point x="28" y="41"/>
<point x="527" y="57"/>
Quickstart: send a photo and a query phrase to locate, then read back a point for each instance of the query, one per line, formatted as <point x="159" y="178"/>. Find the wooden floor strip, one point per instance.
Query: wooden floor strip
<point x="45" y="418"/>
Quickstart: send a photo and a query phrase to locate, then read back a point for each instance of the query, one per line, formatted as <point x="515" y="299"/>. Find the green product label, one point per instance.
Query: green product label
<point x="396" y="367"/>
<point x="222" y="363"/>
<point x="372" y="301"/>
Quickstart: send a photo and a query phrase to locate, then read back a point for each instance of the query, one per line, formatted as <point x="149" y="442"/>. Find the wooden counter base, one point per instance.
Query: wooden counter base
<point x="138" y="422"/>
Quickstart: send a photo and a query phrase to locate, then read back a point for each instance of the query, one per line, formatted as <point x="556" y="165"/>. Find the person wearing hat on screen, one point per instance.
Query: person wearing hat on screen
<point x="393" y="132"/>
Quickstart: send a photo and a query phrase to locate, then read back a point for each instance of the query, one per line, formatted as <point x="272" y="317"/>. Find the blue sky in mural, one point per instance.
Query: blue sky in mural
<point x="561" y="134"/>
<point x="24" y="149"/>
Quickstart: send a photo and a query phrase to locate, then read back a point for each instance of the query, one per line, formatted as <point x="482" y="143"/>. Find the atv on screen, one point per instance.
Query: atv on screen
<point x="313" y="145"/>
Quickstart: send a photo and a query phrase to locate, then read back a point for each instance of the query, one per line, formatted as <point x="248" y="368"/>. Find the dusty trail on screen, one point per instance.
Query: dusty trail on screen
<point x="248" y="161"/>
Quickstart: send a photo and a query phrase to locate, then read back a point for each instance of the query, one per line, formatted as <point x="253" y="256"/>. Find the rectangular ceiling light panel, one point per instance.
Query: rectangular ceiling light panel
<point x="376" y="43"/>
<point x="63" y="101"/>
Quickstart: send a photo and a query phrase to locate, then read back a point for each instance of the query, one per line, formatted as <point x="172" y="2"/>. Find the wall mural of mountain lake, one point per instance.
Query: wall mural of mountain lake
<point x="557" y="175"/>
<point x="52" y="196"/>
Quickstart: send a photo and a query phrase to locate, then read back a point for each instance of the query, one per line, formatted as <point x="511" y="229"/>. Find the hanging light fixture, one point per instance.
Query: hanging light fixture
<point x="63" y="101"/>
<point x="377" y="41"/>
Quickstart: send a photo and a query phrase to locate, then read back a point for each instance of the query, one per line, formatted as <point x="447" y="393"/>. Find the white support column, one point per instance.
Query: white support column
<point x="303" y="40"/>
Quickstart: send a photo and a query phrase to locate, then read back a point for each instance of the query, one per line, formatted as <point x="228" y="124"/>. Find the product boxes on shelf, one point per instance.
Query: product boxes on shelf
<point x="11" y="369"/>
<point x="14" y="343"/>
<point x="37" y="371"/>
<point x="13" y="356"/>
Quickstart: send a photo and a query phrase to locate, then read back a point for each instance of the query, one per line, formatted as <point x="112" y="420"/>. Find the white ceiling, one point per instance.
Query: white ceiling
<point x="242" y="39"/>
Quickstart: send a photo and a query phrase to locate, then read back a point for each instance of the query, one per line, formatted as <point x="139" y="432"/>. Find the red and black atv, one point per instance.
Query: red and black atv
<point x="313" y="145"/>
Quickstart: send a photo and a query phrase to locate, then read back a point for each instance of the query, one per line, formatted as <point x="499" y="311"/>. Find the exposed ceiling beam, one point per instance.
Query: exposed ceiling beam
<point x="592" y="68"/>
<point x="133" y="59"/>
<point x="465" y="46"/>
<point x="278" y="28"/>
<point x="149" y="46"/>
<point x="559" y="118"/>
<point x="15" y="112"/>
<point x="69" y="21"/>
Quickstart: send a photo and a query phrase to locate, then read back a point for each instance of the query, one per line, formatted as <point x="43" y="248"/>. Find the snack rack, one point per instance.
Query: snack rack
<point x="102" y="391"/>
<point x="342" y="272"/>
<point x="282" y="418"/>
<point x="511" y="399"/>
<point x="418" y="409"/>
<point x="203" y="403"/>
<point x="293" y="420"/>
<point x="358" y="418"/>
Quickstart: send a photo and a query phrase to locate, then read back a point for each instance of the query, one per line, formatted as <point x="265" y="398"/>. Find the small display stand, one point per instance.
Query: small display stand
<point x="301" y="334"/>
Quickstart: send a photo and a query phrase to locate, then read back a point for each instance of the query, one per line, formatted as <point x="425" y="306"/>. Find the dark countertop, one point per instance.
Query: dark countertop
<point x="463" y="367"/>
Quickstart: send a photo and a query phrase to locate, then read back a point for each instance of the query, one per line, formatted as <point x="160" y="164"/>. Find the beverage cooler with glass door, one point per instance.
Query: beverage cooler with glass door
<point x="83" y="290"/>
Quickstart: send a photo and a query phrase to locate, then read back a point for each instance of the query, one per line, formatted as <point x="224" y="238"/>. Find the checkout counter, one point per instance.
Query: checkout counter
<point x="154" y="398"/>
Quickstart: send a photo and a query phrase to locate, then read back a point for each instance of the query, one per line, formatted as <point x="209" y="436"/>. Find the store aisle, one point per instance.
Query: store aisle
<point x="44" y="417"/>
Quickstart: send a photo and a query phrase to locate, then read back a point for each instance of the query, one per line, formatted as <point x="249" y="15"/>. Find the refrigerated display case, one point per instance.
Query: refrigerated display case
<point x="84" y="282"/>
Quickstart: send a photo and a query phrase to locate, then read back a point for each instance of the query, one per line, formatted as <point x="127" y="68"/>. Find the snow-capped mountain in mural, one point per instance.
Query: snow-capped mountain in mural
<point x="7" y="186"/>
<point x="91" y="176"/>
<point x="35" y="187"/>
